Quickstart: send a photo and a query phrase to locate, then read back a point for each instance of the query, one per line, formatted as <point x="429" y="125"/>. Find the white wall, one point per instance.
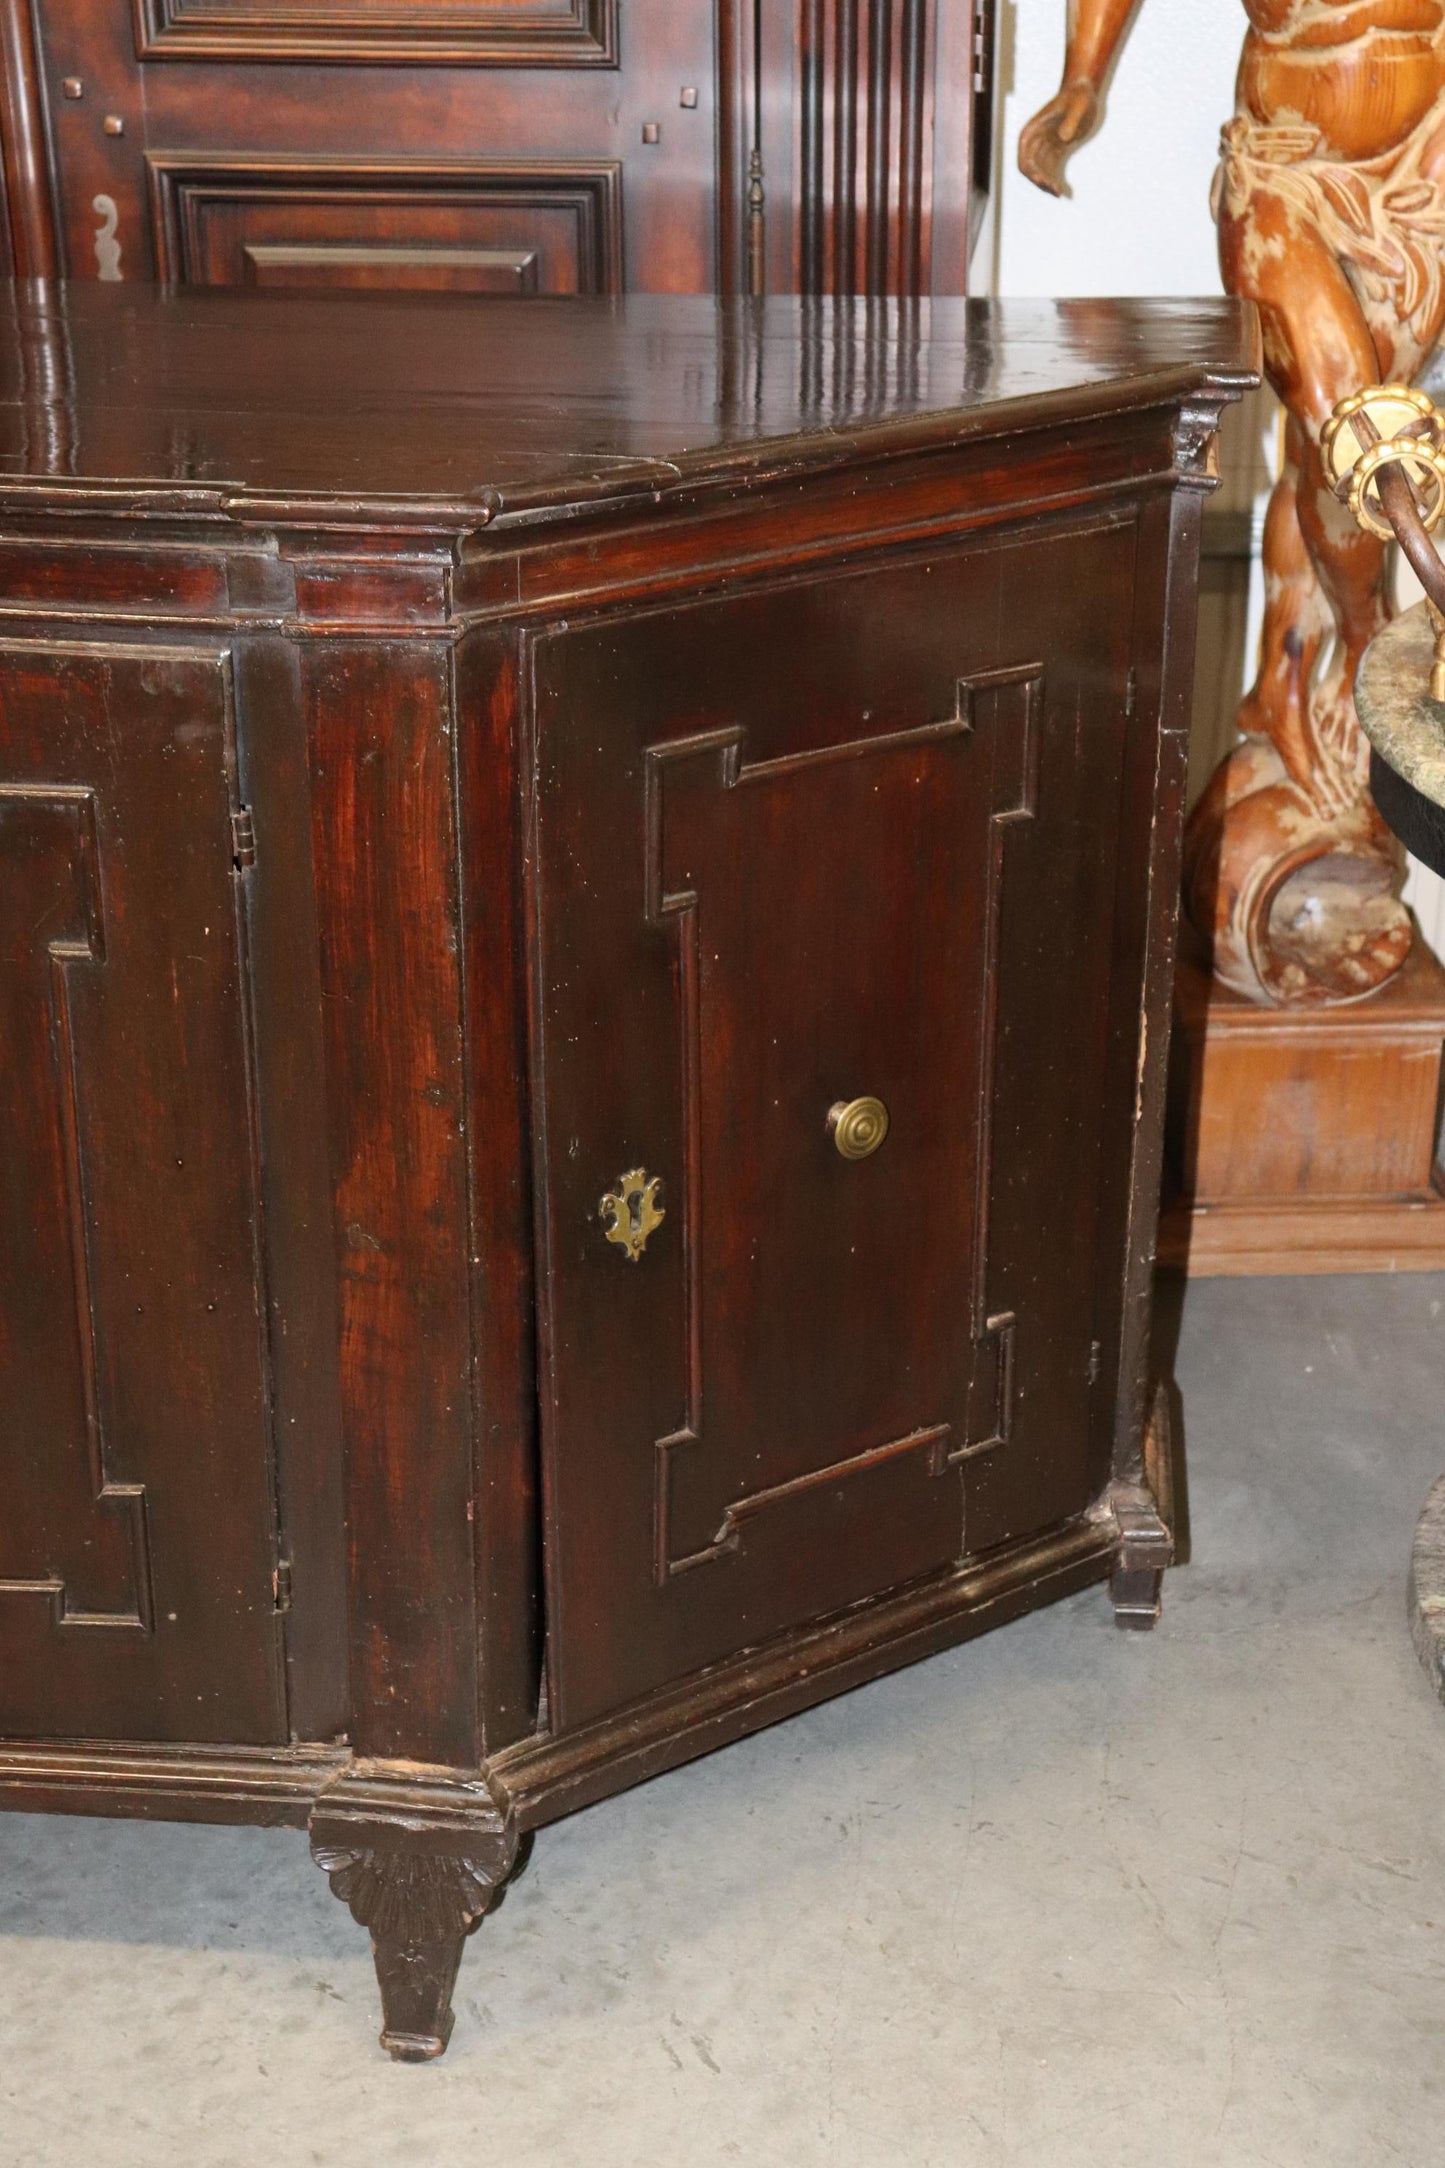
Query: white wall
<point x="1138" y="221"/>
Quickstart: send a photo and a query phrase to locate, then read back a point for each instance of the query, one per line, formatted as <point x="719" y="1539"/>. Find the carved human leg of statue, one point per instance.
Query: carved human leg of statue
<point x="1291" y="878"/>
<point x="418" y="1865"/>
<point x="1296" y="629"/>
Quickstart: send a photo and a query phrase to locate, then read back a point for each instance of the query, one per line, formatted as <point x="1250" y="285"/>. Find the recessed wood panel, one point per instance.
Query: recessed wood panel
<point x="86" y="1551"/>
<point x="491" y="33"/>
<point x="442" y="225"/>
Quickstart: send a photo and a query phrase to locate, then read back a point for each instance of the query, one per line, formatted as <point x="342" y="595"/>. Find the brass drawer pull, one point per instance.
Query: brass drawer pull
<point x="858" y="1126"/>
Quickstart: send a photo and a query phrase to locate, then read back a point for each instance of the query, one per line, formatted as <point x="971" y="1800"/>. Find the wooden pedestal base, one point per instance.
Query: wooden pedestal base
<point x="1306" y="1141"/>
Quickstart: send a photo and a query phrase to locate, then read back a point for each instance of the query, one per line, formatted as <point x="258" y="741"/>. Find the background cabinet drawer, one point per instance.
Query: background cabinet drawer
<point x="454" y="225"/>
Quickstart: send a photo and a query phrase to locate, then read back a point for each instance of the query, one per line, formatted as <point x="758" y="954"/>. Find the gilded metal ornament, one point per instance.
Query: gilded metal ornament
<point x="1382" y="449"/>
<point x="632" y="1213"/>
<point x="1385" y="425"/>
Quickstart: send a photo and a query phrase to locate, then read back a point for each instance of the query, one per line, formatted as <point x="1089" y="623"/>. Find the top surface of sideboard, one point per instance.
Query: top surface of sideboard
<point x="456" y="413"/>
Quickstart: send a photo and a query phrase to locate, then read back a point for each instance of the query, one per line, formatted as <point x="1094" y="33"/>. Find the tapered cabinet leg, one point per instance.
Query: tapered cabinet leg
<point x="1136" y="1594"/>
<point x="1144" y="1512"/>
<point x="416" y="1981"/>
<point x="420" y="1909"/>
<point x="418" y="1885"/>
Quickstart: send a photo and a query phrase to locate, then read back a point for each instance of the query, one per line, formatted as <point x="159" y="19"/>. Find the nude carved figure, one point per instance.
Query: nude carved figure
<point x="1330" y="200"/>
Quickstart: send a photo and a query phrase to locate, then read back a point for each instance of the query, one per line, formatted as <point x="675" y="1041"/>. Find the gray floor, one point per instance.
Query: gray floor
<point x="1065" y="1897"/>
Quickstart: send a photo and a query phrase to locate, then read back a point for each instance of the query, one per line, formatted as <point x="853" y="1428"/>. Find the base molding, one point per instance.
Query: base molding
<point x="271" y="1787"/>
<point x="1242" y="1241"/>
<point x="548" y="1778"/>
<point x="541" y="1778"/>
<point x="345" y="1802"/>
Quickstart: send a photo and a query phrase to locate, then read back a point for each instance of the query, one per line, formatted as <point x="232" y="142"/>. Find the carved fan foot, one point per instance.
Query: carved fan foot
<point x="405" y="1898"/>
<point x="420" y="1887"/>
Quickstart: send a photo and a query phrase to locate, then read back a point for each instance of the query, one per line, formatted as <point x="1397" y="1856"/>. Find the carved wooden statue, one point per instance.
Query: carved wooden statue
<point x="1330" y="199"/>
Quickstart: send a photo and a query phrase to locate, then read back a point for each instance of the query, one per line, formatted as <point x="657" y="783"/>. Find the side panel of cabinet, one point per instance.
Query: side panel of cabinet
<point x="137" y="1540"/>
<point x="852" y="838"/>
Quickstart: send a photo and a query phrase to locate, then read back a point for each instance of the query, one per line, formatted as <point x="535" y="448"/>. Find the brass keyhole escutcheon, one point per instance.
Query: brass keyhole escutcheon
<point x="858" y="1126"/>
<point x="632" y="1212"/>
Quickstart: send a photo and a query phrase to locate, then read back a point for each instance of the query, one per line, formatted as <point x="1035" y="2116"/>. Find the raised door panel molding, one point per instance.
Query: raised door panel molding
<point x="451" y="224"/>
<point x="854" y="1338"/>
<point x="890" y="769"/>
<point x="137" y="1536"/>
<point x="486" y="33"/>
<point x="87" y="1556"/>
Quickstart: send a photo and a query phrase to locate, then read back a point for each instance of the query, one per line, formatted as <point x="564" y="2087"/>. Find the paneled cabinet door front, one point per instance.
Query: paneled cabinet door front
<point x="467" y="146"/>
<point x="826" y="884"/>
<point x="137" y="1549"/>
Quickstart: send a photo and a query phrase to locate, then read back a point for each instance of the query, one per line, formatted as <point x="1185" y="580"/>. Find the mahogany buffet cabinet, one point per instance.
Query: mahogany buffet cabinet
<point x="587" y="893"/>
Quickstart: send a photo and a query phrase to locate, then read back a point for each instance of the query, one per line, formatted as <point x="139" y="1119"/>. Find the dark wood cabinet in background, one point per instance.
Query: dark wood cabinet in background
<point x="585" y="936"/>
<point x="498" y="146"/>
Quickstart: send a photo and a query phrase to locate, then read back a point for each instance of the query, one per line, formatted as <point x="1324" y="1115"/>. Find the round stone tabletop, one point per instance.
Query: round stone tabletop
<point x="1406" y="730"/>
<point x="1404" y="725"/>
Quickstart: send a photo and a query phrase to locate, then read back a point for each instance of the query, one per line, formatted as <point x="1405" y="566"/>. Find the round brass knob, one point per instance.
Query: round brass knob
<point x="858" y="1126"/>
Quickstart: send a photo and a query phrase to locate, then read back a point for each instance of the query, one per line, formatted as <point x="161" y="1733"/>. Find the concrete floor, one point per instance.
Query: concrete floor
<point x="1065" y="1897"/>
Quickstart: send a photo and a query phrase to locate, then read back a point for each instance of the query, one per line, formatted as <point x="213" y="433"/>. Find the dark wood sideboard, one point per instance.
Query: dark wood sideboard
<point x="588" y="896"/>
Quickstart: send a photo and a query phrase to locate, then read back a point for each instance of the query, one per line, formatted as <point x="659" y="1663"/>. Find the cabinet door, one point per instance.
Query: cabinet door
<point x="136" y="1542"/>
<point x="851" y="840"/>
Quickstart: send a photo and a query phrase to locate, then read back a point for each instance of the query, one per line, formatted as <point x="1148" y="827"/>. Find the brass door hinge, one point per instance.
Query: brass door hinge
<point x="243" y="838"/>
<point x="281" y="1585"/>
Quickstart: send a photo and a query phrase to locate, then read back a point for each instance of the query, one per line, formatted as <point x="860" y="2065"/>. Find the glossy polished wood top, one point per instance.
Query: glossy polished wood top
<point x="448" y="409"/>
